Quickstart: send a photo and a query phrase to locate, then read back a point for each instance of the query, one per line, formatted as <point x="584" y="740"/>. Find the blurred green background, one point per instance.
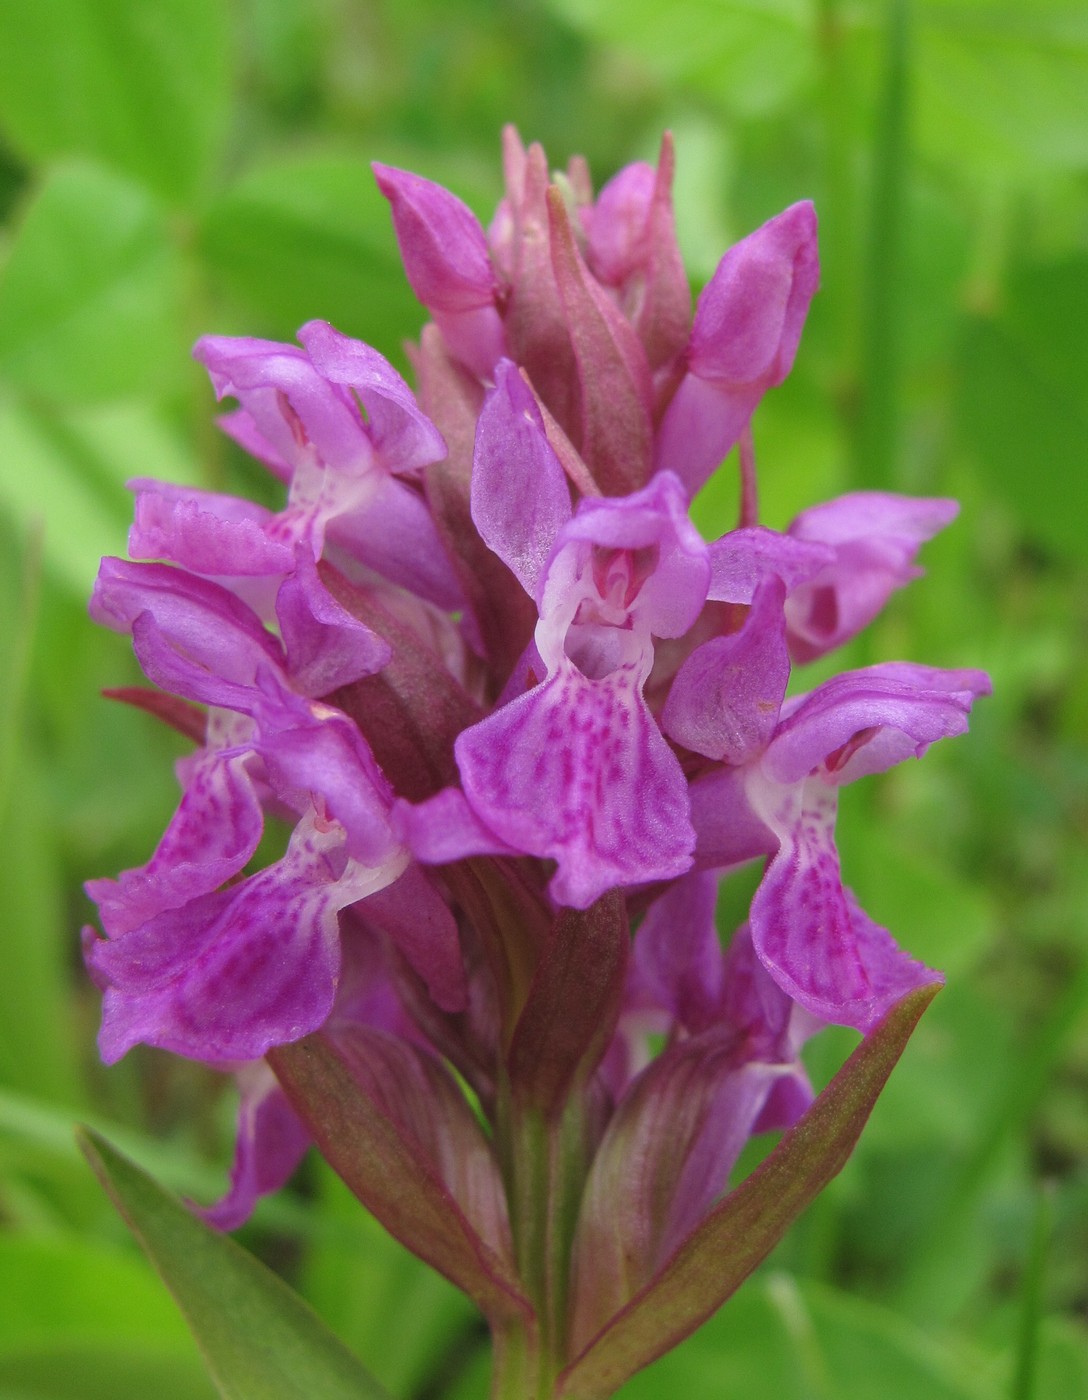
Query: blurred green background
<point x="170" y="167"/>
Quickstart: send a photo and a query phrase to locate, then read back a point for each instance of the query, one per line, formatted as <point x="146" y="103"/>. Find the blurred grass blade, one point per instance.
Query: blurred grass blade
<point x="22" y="612"/>
<point x="1031" y="1302"/>
<point x="1024" y="1090"/>
<point x="259" y="1340"/>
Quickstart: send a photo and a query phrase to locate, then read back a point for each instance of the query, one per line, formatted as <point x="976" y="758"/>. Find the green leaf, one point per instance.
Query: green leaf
<point x="1004" y="83"/>
<point x="53" y="1289"/>
<point x="1063" y="1363"/>
<point x="749" y="1221"/>
<point x="102" y="1371"/>
<point x="310" y="236"/>
<point x="750" y="56"/>
<point x="259" y="1340"/>
<point x="51" y="485"/>
<point x="142" y="86"/>
<point x="90" y="297"/>
<point x="387" y="1167"/>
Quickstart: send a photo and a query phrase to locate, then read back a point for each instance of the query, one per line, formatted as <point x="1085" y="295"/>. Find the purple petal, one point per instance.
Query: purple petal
<point x="617" y="223"/>
<point x="577" y="770"/>
<point x="443" y="246"/>
<point x="725" y="699"/>
<point x="293" y="407"/>
<point x="413" y="914"/>
<point x="748" y="323"/>
<point x="192" y="636"/>
<point x="808" y="931"/>
<point x="445" y="828"/>
<point x="326" y="647"/>
<point x="750" y="315"/>
<point x="240" y="428"/>
<point x="865" y="721"/>
<point x="678" y="961"/>
<point x="392" y="531"/>
<point x="773" y="1025"/>
<point x="520" y="496"/>
<point x="312" y="752"/>
<point x="742" y="559"/>
<point x="728" y="830"/>
<point x="271" y="1142"/>
<point x="230" y="974"/>
<point x="875" y="537"/>
<point x="701" y="424"/>
<point x="654" y="520"/>
<point x="211" y="836"/>
<point x="207" y="533"/>
<point x="403" y="435"/>
<point x="445" y="255"/>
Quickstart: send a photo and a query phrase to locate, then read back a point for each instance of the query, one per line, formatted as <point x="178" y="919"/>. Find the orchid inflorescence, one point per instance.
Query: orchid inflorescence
<point x="507" y="705"/>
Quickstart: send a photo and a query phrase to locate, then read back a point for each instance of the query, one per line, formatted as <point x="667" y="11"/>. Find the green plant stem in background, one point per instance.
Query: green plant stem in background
<point x="841" y="299"/>
<point x="1009" y="1116"/>
<point x="877" y="428"/>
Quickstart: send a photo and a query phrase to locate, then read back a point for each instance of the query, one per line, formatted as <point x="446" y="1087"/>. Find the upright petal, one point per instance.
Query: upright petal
<point x="520" y="496"/>
<point x="402" y="435"/>
<point x="748" y="323"/>
<point x="865" y="721"/>
<point x="725" y="699"/>
<point x="445" y="255"/>
<point x="325" y="646"/>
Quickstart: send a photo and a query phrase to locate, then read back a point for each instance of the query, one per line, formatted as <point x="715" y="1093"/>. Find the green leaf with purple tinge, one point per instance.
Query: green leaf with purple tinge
<point x="371" y="1139"/>
<point x="747" y="1223"/>
<point x="259" y="1340"/>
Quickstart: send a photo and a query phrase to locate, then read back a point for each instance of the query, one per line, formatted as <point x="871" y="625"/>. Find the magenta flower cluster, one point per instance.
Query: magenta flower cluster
<point x="501" y="704"/>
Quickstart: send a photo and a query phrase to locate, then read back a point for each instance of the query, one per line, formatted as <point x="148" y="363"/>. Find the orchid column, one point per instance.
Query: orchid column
<point x="516" y="720"/>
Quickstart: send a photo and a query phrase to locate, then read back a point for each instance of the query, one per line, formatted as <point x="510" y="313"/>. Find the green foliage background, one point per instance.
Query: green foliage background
<point x="169" y="167"/>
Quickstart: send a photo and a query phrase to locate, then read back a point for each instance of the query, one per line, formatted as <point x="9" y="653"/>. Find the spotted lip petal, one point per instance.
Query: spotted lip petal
<point x="577" y="771"/>
<point x="211" y="836"/>
<point x="809" y="931"/>
<point x="230" y="974"/>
